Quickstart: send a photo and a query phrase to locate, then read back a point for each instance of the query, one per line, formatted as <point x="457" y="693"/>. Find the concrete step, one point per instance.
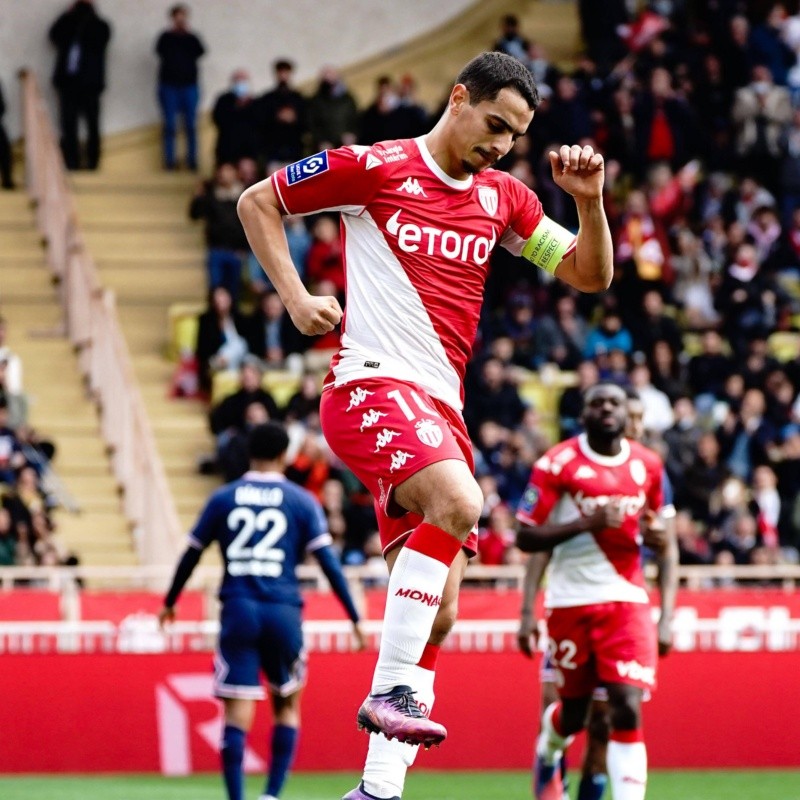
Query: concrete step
<point x="141" y="239"/>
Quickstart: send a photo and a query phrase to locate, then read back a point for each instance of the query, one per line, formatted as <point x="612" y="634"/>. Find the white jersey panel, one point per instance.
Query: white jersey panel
<point x="377" y="342"/>
<point x="580" y="572"/>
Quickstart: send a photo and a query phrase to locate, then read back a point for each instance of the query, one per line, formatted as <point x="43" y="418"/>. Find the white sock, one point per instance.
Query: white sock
<point x="412" y="600"/>
<point x="388" y="761"/>
<point x="550" y="744"/>
<point x="627" y="769"/>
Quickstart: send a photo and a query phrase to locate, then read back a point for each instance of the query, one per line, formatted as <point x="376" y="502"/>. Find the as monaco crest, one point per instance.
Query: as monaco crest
<point x="429" y="433"/>
<point x="638" y="472"/>
<point x="487" y="195"/>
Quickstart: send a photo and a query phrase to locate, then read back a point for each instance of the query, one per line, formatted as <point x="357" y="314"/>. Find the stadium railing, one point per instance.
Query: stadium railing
<point x="92" y="325"/>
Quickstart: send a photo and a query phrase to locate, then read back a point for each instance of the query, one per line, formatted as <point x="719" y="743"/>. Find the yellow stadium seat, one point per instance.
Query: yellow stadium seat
<point x="183" y="324"/>
<point x="784" y="345"/>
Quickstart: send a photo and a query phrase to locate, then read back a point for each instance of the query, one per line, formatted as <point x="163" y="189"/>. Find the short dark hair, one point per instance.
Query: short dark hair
<point x="177" y="9"/>
<point x="283" y="64"/>
<point x="490" y="72"/>
<point x="267" y="442"/>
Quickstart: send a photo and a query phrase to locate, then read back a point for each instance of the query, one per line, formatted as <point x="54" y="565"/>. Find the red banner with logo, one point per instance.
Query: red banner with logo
<point x="131" y="713"/>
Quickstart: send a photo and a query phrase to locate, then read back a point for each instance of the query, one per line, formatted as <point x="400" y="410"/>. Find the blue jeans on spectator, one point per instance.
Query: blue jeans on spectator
<point x="181" y="100"/>
<point x="225" y="269"/>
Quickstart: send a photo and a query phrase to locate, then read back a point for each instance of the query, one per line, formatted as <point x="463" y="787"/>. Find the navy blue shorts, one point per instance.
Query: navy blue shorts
<point x="256" y="636"/>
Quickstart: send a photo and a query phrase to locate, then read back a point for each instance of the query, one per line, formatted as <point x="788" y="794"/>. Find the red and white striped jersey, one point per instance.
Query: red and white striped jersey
<point x="416" y="246"/>
<point x="572" y="481"/>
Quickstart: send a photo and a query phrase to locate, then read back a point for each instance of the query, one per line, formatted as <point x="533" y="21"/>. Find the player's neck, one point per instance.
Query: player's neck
<point x="436" y="142"/>
<point x="277" y="465"/>
<point x="605" y="447"/>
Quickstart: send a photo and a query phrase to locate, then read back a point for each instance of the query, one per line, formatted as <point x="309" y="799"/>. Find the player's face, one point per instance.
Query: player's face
<point x="487" y="131"/>
<point x="635" y="427"/>
<point x="605" y="413"/>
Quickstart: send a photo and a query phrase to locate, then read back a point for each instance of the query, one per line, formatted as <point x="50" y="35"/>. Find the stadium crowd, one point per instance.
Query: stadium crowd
<point x="702" y="184"/>
<point x="27" y="529"/>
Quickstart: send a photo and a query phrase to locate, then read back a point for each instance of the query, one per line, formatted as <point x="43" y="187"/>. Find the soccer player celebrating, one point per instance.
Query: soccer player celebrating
<point x="420" y="218"/>
<point x="264" y="525"/>
<point x="585" y="500"/>
<point x="660" y="539"/>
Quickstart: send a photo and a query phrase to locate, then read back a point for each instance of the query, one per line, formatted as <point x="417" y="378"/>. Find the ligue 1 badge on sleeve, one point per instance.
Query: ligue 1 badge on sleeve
<point x="529" y="500"/>
<point x="307" y="168"/>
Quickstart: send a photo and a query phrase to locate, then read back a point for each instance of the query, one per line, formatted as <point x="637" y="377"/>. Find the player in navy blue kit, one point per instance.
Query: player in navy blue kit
<point x="264" y="525"/>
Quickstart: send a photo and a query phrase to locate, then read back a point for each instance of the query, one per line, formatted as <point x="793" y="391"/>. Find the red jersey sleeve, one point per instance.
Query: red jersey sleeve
<point x="655" y="492"/>
<point x="541" y="494"/>
<point x="525" y="213"/>
<point x="344" y="179"/>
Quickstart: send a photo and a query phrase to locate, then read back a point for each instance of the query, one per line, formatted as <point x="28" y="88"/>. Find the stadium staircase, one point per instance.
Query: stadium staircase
<point x="59" y="406"/>
<point x="134" y="219"/>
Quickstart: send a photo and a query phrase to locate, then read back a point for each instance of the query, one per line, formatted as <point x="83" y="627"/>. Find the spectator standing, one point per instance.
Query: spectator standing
<point x="179" y="49"/>
<point x="282" y="119"/>
<point x="377" y="120"/>
<point x="561" y="337"/>
<point x="6" y="179"/>
<point x="332" y="112"/>
<point x="761" y="112"/>
<point x="511" y="41"/>
<point x="235" y="119"/>
<point x="215" y="202"/>
<point x="81" y="38"/>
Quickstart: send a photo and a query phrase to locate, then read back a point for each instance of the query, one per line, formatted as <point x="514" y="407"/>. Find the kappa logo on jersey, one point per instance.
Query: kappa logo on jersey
<point x="383" y="438"/>
<point x="638" y="471"/>
<point x="435" y="242"/>
<point x="370" y="418"/>
<point x="429" y="433"/>
<point x="357" y="397"/>
<point x="585" y="471"/>
<point x="630" y="506"/>
<point x="487" y="196"/>
<point x="411" y="185"/>
<point x="399" y="458"/>
<point x="307" y="168"/>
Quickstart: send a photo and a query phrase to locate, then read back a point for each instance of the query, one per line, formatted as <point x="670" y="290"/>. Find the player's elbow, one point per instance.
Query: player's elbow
<point x="529" y="542"/>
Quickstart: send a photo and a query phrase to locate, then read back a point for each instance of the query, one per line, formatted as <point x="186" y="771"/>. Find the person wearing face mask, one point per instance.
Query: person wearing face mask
<point x="282" y="119"/>
<point x="332" y="112"/>
<point x="761" y="112"/>
<point x="235" y="119"/>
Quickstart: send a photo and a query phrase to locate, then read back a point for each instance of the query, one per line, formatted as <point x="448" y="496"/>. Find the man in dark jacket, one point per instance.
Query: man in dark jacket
<point x="234" y="116"/>
<point x="282" y="118"/>
<point x="179" y="50"/>
<point x="80" y="37"/>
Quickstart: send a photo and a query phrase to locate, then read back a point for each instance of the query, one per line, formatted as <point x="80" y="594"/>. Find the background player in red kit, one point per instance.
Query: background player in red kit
<point x="420" y="218"/>
<point x="663" y="543"/>
<point x="585" y="499"/>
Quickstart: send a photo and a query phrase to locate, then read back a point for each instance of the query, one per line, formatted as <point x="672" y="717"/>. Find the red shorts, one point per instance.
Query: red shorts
<point x="385" y="431"/>
<point x="600" y="644"/>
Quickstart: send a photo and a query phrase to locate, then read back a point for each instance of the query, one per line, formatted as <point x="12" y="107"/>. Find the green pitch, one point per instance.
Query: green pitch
<point x="700" y="785"/>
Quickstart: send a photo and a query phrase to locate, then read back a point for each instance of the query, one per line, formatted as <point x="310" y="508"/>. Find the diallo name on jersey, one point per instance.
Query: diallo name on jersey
<point x="259" y="496"/>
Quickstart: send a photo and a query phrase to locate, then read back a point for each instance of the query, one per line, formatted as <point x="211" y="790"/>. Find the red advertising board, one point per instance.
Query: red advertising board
<point x="128" y="713"/>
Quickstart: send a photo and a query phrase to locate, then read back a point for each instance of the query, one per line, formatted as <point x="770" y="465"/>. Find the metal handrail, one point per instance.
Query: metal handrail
<point x="92" y="325"/>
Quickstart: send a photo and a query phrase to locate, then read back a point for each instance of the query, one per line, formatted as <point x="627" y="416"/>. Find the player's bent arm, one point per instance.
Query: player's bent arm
<point x="534" y="572"/>
<point x="536" y="538"/>
<point x="590" y="265"/>
<point x="667" y="564"/>
<point x="260" y="212"/>
<point x="183" y="571"/>
<point x="329" y="562"/>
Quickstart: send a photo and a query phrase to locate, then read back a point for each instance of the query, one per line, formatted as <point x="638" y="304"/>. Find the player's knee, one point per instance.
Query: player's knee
<point x="626" y="713"/>
<point x="598" y="730"/>
<point x="456" y="509"/>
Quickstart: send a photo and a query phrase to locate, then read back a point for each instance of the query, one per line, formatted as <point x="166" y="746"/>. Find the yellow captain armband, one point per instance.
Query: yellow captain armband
<point x="548" y="244"/>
